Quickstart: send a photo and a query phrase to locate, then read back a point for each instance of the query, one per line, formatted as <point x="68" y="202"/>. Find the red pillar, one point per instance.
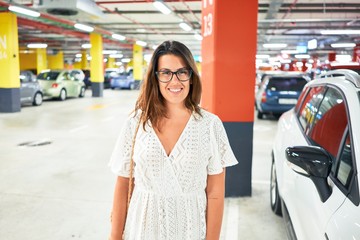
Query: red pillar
<point x="332" y="56"/>
<point x="356" y="55"/>
<point x="229" y="31"/>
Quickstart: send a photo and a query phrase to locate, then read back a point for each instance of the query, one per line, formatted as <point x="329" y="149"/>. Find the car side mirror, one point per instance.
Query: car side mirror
<point x="314" y="163"/>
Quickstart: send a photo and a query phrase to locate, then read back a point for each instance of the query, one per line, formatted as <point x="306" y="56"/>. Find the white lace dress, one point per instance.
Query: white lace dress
<point x="169" y="200"/>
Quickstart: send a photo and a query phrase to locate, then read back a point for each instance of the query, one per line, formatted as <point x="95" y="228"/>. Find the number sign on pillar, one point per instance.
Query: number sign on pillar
<point x="207" y="52"/>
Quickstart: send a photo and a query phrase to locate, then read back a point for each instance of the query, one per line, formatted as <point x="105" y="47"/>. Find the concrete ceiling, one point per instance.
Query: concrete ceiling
<point x="293" y="22"/>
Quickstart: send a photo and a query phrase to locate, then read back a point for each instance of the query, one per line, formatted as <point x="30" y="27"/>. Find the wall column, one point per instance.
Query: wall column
<point x="56" y="61"/>
<point x="9" y="64"/>
<point x="96" y="65"/>
<point x="84" y="62"/>
<point x="228" y="76"/>
<point x="137" y="64"/>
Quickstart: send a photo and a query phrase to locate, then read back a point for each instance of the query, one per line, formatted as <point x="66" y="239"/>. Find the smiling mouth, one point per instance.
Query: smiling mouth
<point x="175" y="90"/>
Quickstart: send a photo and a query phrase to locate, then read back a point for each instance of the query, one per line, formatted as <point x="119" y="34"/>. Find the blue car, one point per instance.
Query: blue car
<point x="122" y="81"/>
<point x="279" y="93"/>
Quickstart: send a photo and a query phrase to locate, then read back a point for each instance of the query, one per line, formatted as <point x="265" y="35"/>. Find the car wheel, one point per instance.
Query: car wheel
<point x="38" y="99"/>
<point x="260" y="115"/>
<point x="275" y="199"/>
<point x="112" y="88"/>
<point x="132" y="86"/>
<point x="82" y="92"/>
<point x="62" y="95"/>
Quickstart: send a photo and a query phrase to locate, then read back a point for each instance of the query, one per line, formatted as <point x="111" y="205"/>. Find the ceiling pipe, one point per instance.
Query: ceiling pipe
<point x="131" y="20"/>
<point x="189" y="9"/>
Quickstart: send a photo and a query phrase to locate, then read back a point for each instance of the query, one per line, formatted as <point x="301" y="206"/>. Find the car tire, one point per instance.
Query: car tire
<point x="275" y="199"/>
<point x="62" y="95"/>
<point x="112" y="88"/>
<point x="38" y="99"/>
<point x="260" y="115"/>
<point x="82" y="92"/>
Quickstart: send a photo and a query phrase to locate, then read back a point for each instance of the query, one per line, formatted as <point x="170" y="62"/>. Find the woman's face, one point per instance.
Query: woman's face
<point x="174" y="91"/>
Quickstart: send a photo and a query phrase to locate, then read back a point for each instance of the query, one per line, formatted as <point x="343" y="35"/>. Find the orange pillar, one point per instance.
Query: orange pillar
<point x="229" y="30"/>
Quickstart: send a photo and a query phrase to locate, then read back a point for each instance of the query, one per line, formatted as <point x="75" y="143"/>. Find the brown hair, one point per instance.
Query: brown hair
<point x="150" y="101"/>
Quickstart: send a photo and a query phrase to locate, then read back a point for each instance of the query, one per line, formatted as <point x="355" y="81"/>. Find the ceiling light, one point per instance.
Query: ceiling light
<point x="339" y="32"/>
<point x="274" y="45"/>
<point x="118" y="37"/>
<point x="141" y="43"/>
<point x="312" y="44"/>
<point x="24" y="11"/>
<point x="342" y="45"/>
<point x="109" y="52"/>
<point x="162" y="7"/>
<point x="116" y="55"/>
<point x="154" y="47"/>
<point x="343" y="58"/>
<point x="198" y="36"/>
<point x="83" y="27"/>
<point x="142" y="30"/>
<point x="86" y="45"/>
<point x="78" y="55"/>
<point x="185" y="26"/>
<point x="302" y="56"/>
<point x="125" y="60"/>
<point x="37" y="45"/>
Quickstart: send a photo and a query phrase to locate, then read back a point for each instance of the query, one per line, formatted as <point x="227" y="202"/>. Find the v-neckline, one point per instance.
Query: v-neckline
<point x="180" y="136"/>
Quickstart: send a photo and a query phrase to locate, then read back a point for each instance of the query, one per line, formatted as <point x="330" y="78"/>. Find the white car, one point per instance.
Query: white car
<point x="316" y="160"/>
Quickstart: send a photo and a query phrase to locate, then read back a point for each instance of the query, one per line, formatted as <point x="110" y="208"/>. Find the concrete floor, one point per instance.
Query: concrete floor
<point x="61" y="188"/>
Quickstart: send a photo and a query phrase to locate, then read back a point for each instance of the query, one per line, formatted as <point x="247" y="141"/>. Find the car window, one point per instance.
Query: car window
<point x="342" y="169"/>
<point x="286" y="84"/>
<point x="309" y="106"/>
<point x="300" y="99"/>
<point x="24" y="77"/>
<point x="48" y="75"/>
<point x="330" y="122"/>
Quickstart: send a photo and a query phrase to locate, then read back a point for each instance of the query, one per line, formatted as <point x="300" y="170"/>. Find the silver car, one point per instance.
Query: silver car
<point x="30" y="89"/>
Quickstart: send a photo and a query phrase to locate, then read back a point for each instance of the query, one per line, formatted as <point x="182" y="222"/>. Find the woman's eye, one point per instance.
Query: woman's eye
<point x="183" y="72"/>
<point x="165" y="73"/>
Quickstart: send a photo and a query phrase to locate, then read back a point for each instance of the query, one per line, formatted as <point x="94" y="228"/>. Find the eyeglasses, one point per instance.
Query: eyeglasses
<point x="166" y="76"/>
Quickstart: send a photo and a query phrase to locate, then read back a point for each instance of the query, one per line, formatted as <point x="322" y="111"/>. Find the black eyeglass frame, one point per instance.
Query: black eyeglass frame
<point x="174" y="73"/>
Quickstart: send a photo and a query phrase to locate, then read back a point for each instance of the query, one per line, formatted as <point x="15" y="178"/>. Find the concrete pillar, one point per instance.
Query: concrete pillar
<point x="138" y="59"/>
<point x="9" y="64"/>
<point x="229" y="30"/>
<point x="96" y="65"/>
<point x="56" y="61"/>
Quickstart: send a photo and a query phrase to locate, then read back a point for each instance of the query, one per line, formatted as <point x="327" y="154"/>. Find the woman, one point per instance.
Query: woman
<point x="180" y="154"/>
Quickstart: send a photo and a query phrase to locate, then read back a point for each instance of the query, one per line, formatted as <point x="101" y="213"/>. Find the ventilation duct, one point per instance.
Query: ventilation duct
<point x="72" y="9"/>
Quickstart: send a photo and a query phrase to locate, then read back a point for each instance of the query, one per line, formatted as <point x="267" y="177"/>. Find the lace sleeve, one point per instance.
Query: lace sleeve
<point x="120" y="158"/>
<point x="221" y="153"/>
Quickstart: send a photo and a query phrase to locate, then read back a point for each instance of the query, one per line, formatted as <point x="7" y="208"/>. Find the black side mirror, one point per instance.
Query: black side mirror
<point x="313" y="162"/>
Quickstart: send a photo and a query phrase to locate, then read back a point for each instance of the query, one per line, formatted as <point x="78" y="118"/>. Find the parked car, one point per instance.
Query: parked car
<point x="87" y="79"/>
<point x="30" y="89"/>
<point x="109" y="73"/>
<point x="62" y="83"/>
<point x="122" y="80"/>
<point x="278" y="93"/>
<point x="316" y="160"/>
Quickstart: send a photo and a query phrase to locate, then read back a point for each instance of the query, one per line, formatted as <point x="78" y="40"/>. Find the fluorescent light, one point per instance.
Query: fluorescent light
<point x="343" y="45"/>
<point x="118" y="63"/>
<point x="154" y="47"/>
<point x="142" y="30"/>
<point x="162" y="7"/>
<point x="86" y="45"/>
<point x="78" y="55"/>
<point x="339" y="32"/>
<point x="24" y="11"/>
<point x="141" y="43"/>
<point x="185" y="26"/>
<point x="262" y="56"/>
<point x="125" y="60"/>
<point x="289" y="51"/>
<point x="83" y="27"/>
<point x="109" y="52"/>
<point x="37" y="45"/>
<point x="118" y="37"/>
<point x="302" y="56"/>
<point x="198" y="36"/>
<point x="89" y="58"/>
<point x="274" y="45"/>
<point x="116" y="55"/>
